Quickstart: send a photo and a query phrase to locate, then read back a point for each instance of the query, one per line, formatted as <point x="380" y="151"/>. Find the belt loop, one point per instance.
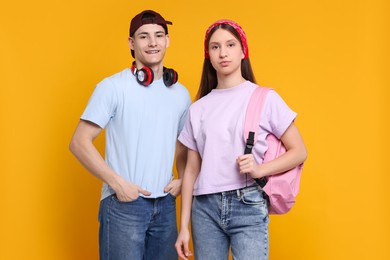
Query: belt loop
<point x="238" y="193"/>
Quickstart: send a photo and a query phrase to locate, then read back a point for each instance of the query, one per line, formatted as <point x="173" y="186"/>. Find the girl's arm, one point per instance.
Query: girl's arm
<point x="190" y="174"/>
<point x="296" y="154"/>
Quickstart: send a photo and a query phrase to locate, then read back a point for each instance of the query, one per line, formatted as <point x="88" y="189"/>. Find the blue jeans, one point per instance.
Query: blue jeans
<point x="237" y="219"/>
<point x="142" y="229"/>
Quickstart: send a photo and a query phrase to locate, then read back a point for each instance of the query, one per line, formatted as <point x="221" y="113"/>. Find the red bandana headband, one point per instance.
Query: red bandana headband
<point x="237" y="27"/>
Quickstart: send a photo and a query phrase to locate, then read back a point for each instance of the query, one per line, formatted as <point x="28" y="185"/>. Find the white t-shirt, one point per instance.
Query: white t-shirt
<point x="215" y="126"/>
<point x="142" y="125"/>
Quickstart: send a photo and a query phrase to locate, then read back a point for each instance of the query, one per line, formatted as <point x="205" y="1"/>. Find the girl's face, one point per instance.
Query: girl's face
<point x="225" y="52"/>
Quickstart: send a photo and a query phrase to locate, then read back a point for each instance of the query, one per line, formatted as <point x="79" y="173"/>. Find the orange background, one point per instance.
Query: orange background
<point x="328" y="59"/>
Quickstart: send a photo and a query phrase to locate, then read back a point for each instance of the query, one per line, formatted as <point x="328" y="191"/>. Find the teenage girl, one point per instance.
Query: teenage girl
<point x="227" y="208"/>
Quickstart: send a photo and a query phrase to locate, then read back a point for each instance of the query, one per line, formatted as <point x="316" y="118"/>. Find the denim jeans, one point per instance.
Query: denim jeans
<point x="142" y="229"/>
<point x="235" y="219"/>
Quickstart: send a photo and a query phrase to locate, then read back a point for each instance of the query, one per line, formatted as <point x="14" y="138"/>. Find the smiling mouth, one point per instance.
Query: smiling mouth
<point x="152" y="51"/>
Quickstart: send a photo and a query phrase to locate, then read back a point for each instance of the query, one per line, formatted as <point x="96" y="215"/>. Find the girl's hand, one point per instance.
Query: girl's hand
<point x="247" y="164"/>
<point x="182" y="244"/>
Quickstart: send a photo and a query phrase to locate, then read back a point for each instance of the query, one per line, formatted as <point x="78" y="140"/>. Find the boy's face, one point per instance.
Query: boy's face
<point x="149" y="44"/>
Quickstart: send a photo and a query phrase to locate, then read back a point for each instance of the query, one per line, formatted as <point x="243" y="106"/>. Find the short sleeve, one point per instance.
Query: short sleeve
<point x="277" y="115"/>
<point x="186" y="136"/>
<point x="184" y="116"/>
<point x="101" y="106"/>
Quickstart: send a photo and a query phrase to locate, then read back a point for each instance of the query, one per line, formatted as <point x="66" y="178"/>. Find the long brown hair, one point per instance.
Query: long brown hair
<point x="209" y="80"/>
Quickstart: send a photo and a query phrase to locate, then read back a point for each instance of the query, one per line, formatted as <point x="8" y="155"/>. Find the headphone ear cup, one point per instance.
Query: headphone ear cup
<point x="144" y="76"/>
<point x="170" y="77"/>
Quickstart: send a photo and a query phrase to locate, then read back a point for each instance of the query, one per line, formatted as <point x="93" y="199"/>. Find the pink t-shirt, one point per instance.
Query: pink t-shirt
<point x="215" y="126"/>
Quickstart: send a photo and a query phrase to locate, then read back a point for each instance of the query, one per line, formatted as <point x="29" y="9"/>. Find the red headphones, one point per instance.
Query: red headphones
<point x="145" y="75"/>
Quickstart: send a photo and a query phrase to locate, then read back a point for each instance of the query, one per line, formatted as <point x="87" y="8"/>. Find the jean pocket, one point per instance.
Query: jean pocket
<point x="171" y="195"/>
<point x="115" y="198"/>
<point x="253" y="197"/>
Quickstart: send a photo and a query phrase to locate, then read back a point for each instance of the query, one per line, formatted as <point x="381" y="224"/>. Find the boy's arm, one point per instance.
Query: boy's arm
<point x="85" y="151"/>
<point x="174" y="187"/>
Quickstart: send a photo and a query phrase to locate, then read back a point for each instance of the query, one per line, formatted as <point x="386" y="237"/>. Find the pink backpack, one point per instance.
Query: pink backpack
<point x="281" y="188"/>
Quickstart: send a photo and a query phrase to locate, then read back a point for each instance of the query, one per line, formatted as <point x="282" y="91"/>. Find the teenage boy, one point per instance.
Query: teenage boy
<point x="143" y="109"/>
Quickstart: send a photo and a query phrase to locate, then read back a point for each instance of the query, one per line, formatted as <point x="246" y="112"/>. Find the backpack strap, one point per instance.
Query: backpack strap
<point x="252" y="122"/>
<point x="253" y="112"/>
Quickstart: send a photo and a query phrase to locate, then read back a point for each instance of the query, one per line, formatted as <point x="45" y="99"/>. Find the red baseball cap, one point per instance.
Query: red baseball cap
<point x="147" y="17"/>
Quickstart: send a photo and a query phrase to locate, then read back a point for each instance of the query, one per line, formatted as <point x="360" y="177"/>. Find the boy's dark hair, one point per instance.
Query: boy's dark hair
<point x="147" y="17"/>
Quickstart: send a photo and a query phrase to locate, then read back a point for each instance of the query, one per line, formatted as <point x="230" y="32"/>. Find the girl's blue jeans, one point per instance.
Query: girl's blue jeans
<point x="236" y="219"/>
